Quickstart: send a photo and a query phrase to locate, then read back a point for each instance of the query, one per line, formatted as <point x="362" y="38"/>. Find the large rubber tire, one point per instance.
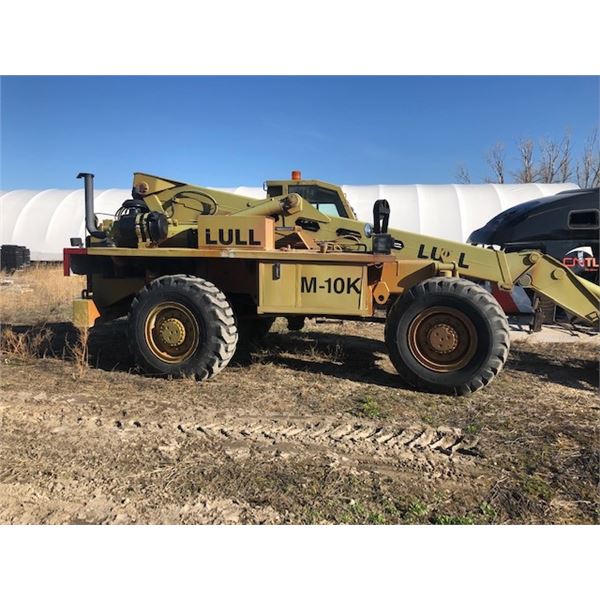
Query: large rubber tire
<point x="182" y="326"/>
<point x="471" y="329"/>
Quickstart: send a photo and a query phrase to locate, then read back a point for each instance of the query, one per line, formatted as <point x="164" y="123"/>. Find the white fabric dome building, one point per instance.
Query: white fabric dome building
<point x="44" y="220"/>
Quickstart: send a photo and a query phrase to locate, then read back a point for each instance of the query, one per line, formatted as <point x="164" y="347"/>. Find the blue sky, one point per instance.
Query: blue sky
<point x="228" y="131"/>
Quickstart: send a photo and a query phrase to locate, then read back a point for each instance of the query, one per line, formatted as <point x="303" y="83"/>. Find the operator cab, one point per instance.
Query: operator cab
<point x="325" y="197"/>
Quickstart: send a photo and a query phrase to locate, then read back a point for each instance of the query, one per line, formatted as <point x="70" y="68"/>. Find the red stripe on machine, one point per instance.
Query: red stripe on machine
<point x="67" y="258"/>
<point x="505" y="300"/>
<point x="514" y="302"/>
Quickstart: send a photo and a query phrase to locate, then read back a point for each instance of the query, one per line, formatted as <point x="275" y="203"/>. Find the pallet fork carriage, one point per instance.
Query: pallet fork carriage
<point x="195" y="269"/>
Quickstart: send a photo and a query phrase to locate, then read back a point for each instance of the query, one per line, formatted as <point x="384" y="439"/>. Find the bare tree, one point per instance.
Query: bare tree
<point x="565" y="170"/>
<point x="496" y="159"/>
<point x="462" y="174"/>
<point x="549" y="161"/>
<point x="588" y="167"/>
<point x="527" y="169"/>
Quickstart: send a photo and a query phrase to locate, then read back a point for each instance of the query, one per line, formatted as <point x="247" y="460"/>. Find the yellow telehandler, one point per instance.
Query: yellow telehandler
<point x="196" y="268"/>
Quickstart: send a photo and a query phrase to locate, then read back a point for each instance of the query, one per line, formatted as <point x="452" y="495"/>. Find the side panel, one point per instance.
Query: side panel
<point x="249" y="233"/>
<point x="318" y="289"/>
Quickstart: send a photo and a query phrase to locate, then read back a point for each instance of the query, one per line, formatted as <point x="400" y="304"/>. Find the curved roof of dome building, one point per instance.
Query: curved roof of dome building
<point x="44" y="220"/>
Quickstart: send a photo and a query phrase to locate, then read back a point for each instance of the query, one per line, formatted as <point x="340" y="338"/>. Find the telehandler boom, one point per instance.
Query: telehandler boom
<point x="196" y="268"/>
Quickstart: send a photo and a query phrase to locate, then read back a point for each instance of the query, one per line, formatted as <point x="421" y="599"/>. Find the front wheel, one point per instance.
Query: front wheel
<point x="447" y="335"/>
<point x="182" y="326"/>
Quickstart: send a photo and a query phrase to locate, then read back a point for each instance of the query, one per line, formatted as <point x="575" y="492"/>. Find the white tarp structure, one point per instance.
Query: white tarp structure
<point x="44" y="220"/>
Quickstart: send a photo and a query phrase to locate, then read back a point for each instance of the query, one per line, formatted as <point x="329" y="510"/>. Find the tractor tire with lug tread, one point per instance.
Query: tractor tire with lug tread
<point x="182" y="325"/>
<point x="447" y="335"/>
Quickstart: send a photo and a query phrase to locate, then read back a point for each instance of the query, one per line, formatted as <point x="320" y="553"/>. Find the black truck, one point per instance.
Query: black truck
<point x="565" y="226"/>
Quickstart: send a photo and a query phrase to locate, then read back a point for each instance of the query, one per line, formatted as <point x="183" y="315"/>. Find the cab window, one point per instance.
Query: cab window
<point x="324" y="200"/>
<point x="584" y="219"/>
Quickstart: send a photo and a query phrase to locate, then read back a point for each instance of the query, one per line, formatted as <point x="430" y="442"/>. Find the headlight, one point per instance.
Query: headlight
<point x="368" y="230"/>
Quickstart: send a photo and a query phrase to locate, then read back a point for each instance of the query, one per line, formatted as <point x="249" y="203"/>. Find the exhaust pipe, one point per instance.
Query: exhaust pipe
<point x="90" y="221"/>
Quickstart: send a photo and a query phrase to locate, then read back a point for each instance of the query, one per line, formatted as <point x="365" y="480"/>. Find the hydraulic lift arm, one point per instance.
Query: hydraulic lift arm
<point x="532" y="269"/>
<point x="549" y="278"/>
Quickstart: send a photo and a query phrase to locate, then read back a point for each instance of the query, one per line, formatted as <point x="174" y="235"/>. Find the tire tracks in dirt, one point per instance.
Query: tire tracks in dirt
<point x="350" y="436"/>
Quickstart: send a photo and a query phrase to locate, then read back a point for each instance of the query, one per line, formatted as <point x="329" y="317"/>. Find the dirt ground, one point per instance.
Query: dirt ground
<point x="312" y="427"/>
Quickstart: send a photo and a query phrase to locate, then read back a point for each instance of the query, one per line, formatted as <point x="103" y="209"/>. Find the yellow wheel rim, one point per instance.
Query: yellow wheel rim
<point x="172" y="332"/>
<point x="442" y="339"/>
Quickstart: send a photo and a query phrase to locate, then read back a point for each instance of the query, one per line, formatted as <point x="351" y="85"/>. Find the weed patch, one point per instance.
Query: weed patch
<point x="369" y="407"/>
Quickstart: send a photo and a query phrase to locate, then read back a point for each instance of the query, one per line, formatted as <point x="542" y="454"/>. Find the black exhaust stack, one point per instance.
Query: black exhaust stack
<point x="90" y="219"/>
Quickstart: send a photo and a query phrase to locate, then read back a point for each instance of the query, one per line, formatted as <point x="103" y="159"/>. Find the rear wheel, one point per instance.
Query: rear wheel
<point x="447" y="335"/>
<point x="180" y="325"/>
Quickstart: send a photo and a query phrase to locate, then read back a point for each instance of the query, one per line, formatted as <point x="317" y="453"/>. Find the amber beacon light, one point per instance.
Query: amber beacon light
<point x="296" y="175"/>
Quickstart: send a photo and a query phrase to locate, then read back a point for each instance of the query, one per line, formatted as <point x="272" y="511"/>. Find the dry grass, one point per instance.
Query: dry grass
<point x="39" y="294"/>
<point x="32" y="301"/>
<point x="32" y="343"/>
<point x="79" y="351"/>
<point x="87" y="439"/>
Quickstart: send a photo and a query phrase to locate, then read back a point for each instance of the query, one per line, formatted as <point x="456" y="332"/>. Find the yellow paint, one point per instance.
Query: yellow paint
<point x="242" y="253"/>
<point x="551" y="279"/>
<point x="381" y="292"/>
<point x="85" y="312"/>
<point x="313" y="289"/>
<point x="414" y="258"/>
<point x="247" y="233"/>
<point x="150" y="184"/>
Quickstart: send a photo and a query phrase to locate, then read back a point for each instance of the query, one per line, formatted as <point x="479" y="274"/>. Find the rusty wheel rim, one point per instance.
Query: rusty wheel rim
<point x="171" y="332"/>
<point x="442" y="339"/>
